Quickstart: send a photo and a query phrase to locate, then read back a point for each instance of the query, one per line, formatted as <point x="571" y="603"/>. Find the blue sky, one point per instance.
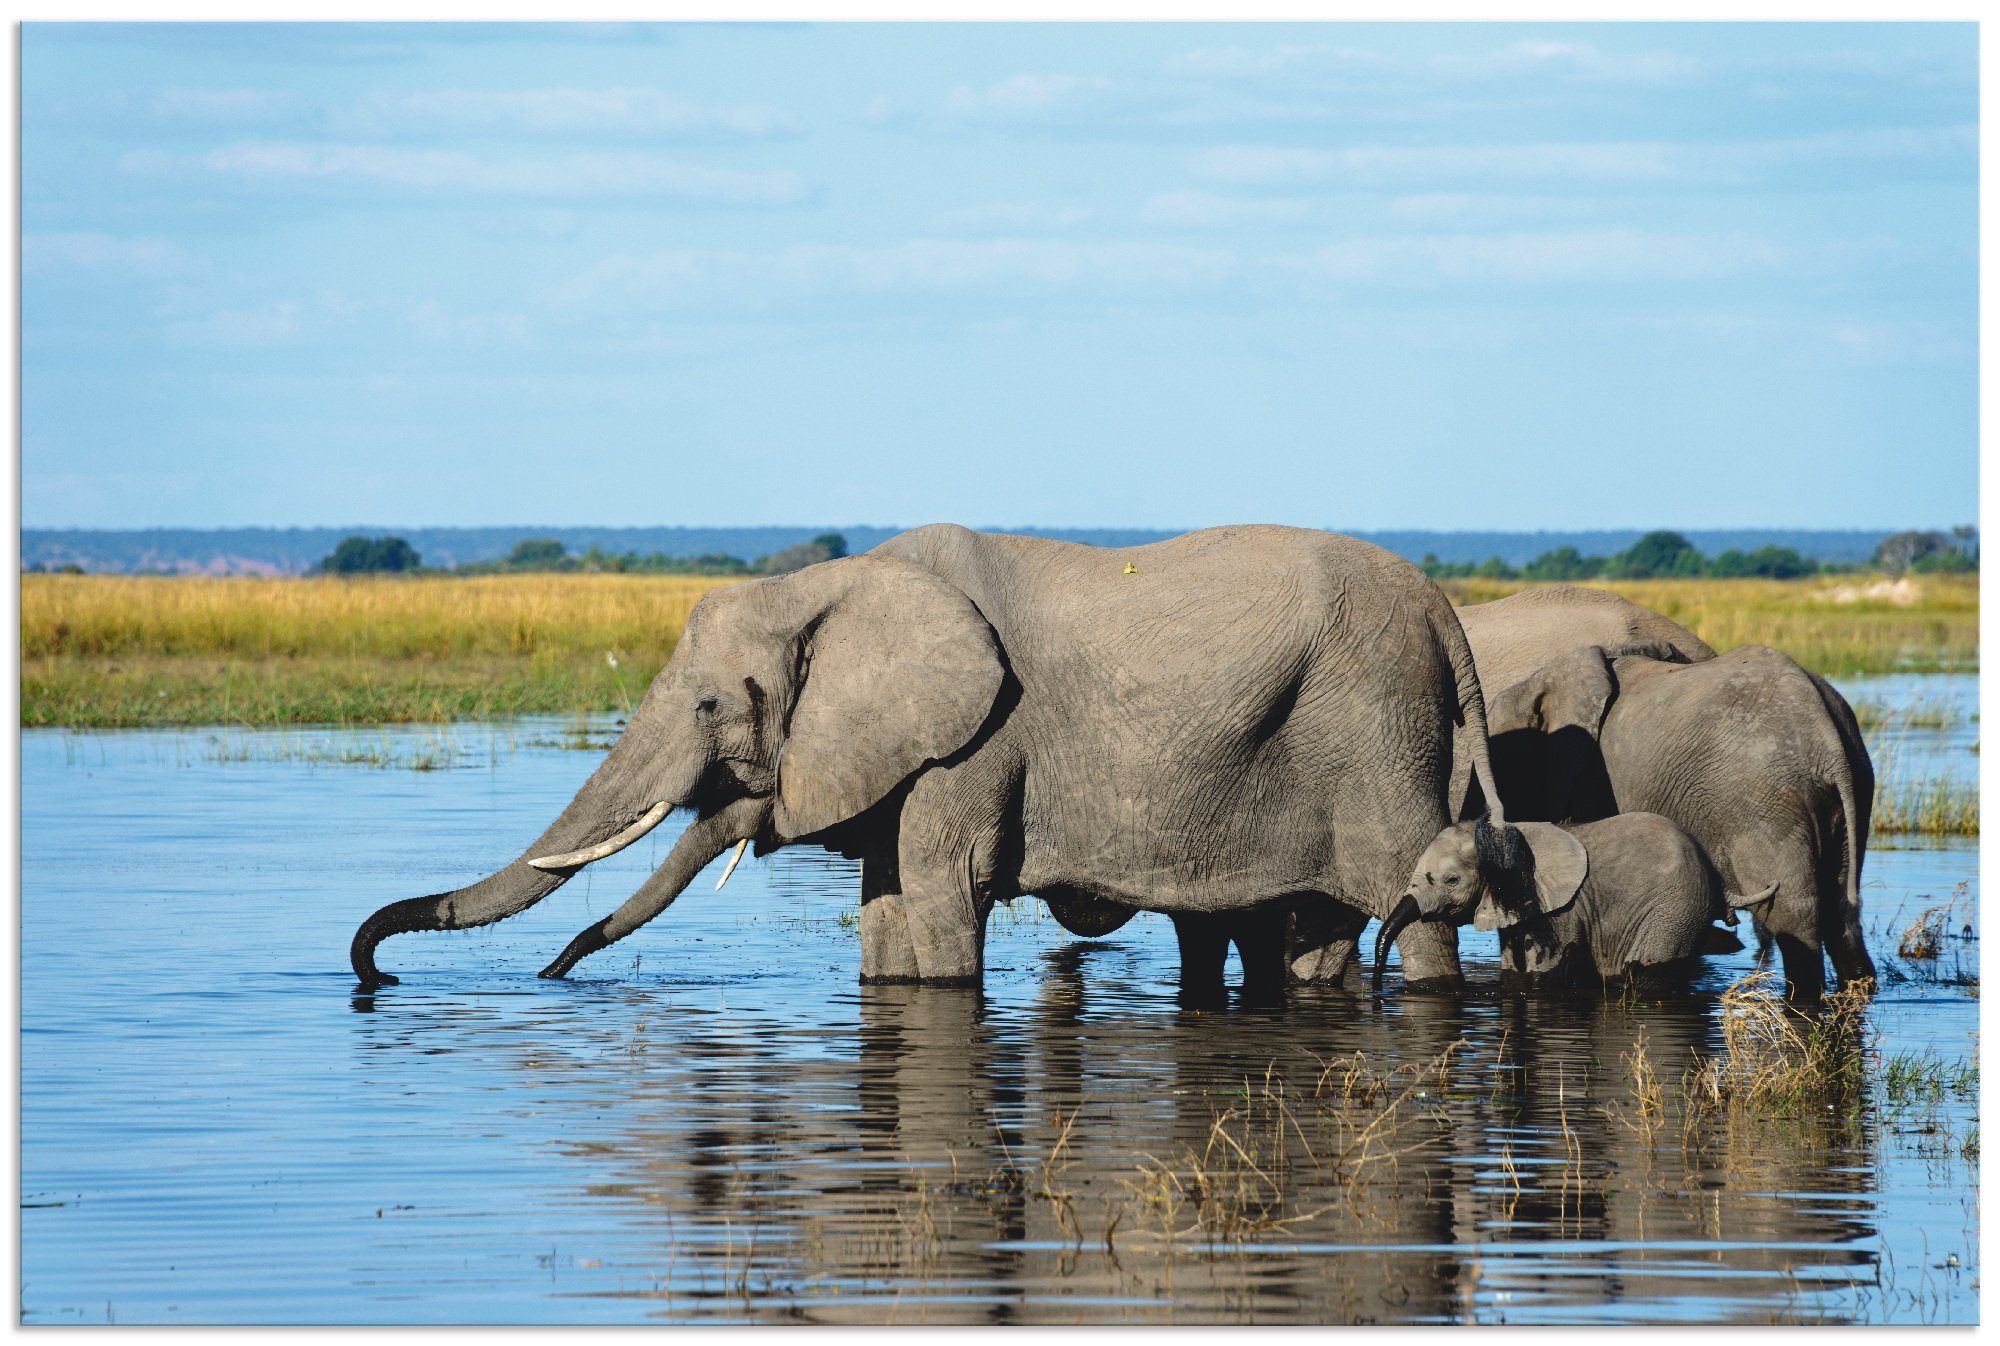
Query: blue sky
<point x="1366" y="276"/>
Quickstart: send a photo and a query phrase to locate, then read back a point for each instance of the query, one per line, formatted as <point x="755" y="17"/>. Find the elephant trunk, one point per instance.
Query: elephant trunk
<point x="704" y="839"/>
<point x="605" y="808"/>
<point x="1405" y="914"/>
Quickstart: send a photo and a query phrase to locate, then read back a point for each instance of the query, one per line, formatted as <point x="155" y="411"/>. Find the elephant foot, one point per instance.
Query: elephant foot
<point x="968" y="980"/>
<point x="378" y="979"/>
<point x="1448" y="984"/>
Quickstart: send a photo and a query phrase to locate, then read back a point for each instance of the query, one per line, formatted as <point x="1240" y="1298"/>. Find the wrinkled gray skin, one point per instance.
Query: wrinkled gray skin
<point x="1249" y="716"/>
<point x="1630" y="899"/>
<point x="1760" y="760"/>
<point x="1511" y="637"/>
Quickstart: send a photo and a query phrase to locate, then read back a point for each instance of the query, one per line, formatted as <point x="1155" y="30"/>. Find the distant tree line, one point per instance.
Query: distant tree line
<point x="1665" y="554"/>
<point x="546" y="555"/>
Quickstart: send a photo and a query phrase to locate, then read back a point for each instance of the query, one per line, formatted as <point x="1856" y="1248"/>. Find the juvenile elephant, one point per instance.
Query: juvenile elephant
<point x="1196" y="726"/>
<point x="1760" y="760"/>
<point x="1629" y="899"/>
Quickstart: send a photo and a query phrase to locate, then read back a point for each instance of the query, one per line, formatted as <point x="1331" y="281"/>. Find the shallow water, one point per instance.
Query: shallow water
<point x="713" y="1121"/>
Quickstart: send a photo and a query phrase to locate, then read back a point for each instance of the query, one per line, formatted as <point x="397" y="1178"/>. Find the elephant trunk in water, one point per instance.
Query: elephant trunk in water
<point x="704" y="839"/>
<point x="1405" y="914"/>
<point x="608" y="809"/>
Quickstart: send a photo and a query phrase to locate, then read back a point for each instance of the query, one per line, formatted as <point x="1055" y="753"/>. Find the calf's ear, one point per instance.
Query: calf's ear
<point x="1561" y="864"/>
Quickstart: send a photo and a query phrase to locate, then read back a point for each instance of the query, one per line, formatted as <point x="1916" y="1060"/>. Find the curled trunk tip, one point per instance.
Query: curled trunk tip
<point x="1404" y="914"/>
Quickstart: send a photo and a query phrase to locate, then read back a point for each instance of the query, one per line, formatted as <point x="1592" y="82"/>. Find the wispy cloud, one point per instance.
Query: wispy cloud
<point x="915" y="266"/>
<point x="1595" y="256"/>
<point x="597" y="174"/>
<point x="1207" y="210"/>
<point x="1245" y="62"/>
<point x="573" y="112"/>
<point x="100" y="253"/>
<point x="1901" y="149"/>
<point x="270" y="325"/>
<point x="1542" y="58"/>
<point x="225" y="107"/>
<point x="1027" y="97"/>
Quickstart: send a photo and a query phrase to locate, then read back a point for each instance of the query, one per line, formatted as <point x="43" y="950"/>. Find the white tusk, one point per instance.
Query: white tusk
<point x="730" y="868"/>
<point x="575" y="859"/>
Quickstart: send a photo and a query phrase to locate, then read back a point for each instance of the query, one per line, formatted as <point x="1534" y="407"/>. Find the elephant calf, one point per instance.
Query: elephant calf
<point x="1629" y="899"/>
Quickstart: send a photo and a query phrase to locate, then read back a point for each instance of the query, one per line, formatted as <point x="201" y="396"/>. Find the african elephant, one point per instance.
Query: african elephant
<point x="1629" y="899"/>
<point x="1760" y="760"/>
<point x="1199" y="725"/>
<point x="1511" y="637"/>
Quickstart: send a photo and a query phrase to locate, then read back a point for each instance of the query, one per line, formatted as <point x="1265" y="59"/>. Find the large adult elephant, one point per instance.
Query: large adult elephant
<point x="1511" y="637"/>
<point x="1759" y="759"/>
<point x="1226" y="719"/>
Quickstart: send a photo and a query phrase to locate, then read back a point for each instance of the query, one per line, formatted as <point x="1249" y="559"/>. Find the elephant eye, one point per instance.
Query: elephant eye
<point x="705" y="706"/>
<point x="1450" y="879"/>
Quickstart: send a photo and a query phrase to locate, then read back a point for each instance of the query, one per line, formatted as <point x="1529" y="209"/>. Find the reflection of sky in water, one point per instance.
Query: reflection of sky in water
<point x="232" y="1135"/>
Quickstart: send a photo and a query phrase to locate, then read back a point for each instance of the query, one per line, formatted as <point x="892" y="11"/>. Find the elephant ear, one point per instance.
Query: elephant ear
<point x="1573" y="689"/>
<point x="899" y="670"/>
<point x="1561" y="864"/>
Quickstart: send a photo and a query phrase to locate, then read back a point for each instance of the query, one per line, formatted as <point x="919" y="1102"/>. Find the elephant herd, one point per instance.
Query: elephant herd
<point x="1272" y="735"/>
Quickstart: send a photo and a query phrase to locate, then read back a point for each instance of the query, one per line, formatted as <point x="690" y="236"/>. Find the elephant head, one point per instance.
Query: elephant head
<point x="791" y="705"/>
<point x="1487" y="876"/>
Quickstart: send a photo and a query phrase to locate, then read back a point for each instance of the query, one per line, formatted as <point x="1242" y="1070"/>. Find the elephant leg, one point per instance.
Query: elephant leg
<point x="931" y="904"/>
<point x="930" y="931"/>
<point x="888" y="954"/>
<point x="1204" y="941"/>
<point x="1430" y="957"/>
<point x="1805" y="967"/>
<point x="1260" y="938"/>
<point x="1321" y="942"/>
<point x="1844" y="943"/>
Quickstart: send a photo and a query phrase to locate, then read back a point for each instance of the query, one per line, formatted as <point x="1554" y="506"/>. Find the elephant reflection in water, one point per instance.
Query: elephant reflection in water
<point x="965" y="1159"/>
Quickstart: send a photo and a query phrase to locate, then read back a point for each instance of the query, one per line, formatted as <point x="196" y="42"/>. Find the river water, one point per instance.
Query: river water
<point x="713" y="1121"/>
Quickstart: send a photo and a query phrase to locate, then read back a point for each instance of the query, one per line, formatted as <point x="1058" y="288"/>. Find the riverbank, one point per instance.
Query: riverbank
<point x="100" y="651"/>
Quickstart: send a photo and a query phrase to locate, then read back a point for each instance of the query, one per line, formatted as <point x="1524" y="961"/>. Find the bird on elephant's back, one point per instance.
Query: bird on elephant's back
<point x="1208" y="725"/>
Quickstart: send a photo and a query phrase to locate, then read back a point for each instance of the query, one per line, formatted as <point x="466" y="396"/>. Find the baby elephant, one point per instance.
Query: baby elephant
<point x="1631" y="898"/>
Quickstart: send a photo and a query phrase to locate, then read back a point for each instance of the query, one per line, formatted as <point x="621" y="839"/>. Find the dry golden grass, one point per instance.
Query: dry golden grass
<point x="102" y="650"/>
<point x="1838" y="625"/>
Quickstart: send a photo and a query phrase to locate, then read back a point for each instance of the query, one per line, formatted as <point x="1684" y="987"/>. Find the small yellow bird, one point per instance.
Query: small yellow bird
<point x="1131" y="569"/>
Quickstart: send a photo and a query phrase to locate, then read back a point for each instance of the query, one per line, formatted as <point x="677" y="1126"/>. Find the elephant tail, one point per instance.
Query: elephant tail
<point x="1853" y="778"/>
<point x="1471" y="711"/>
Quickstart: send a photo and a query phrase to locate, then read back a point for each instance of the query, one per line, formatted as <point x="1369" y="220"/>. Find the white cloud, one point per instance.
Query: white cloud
<point x="1626" y="161"/>
<point x="1595" y="256"/>
<point x="271" y="325"/>
<point x="106" y="254"/>
<point x="433" y="323"/>
<point x="230" y="107"/>
<point x="1474" y="210"/>
<point x="1024" y="97"/>
<point x="1541" y="58"/>
<point x="1013" y="218"/>
<point x="916" y="266"/>
<point x="456" y="171"/>
<point x="1235" y="62"/>
<point x="614" y="111"/>
<point x="1206" y="210"/>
